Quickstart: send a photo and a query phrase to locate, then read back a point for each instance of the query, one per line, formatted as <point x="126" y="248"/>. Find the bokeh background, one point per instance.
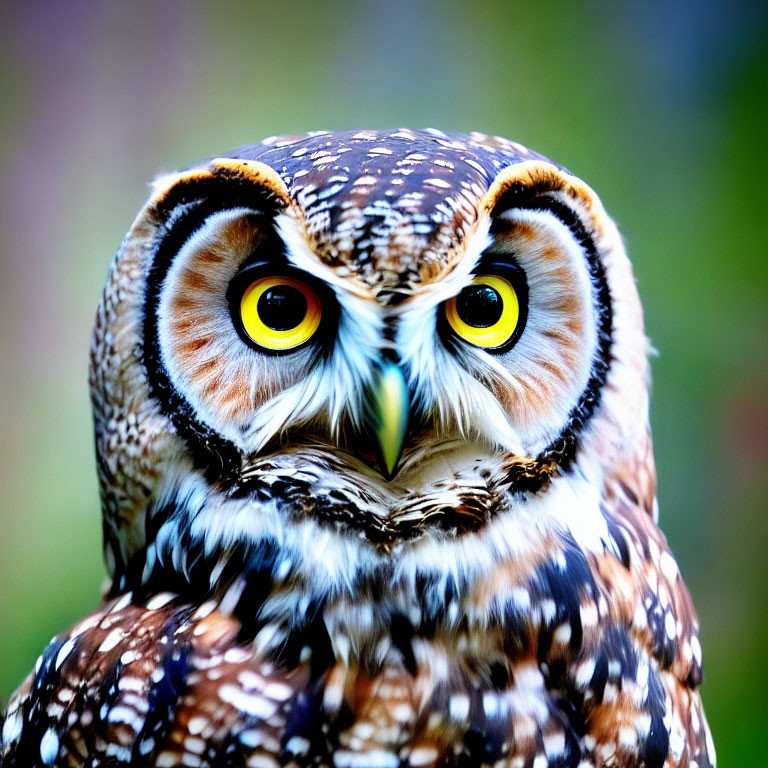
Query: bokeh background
<point x="660" y="106"/>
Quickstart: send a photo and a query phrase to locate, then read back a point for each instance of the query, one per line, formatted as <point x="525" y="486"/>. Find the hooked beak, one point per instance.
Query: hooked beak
<point x="390" y="406"/>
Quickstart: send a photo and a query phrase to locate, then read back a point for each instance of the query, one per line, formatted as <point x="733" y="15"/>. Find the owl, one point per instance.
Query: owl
<point x="378" y="490"/>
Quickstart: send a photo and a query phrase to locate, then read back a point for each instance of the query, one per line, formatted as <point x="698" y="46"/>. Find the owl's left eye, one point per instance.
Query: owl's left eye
<point x="490" y="312"/>
<point x="277" y="313"/>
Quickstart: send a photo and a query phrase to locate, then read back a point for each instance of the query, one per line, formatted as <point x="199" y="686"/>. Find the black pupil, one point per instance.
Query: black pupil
<point x="282" y="307"/>
<point x="479" y="306"/>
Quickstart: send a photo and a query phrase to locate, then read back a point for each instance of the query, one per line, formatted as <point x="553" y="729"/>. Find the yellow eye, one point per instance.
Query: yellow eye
<point x="486" y="313"/>
<point x="280" y="312"/>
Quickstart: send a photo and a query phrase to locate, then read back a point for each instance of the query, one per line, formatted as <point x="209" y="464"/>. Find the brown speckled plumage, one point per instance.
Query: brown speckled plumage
<point x="505" y="598"/>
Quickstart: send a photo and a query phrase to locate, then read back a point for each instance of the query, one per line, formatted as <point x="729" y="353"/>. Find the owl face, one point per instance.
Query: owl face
<point x="355" y="346"/>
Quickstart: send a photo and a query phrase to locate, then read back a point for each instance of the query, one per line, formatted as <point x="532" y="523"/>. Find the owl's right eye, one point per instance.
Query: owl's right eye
<point x="490" y="313"/>
<point x="275" y="312"/>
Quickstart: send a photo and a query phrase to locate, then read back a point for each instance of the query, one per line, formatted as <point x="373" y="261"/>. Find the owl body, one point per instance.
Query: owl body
<point x="377" y="477"/>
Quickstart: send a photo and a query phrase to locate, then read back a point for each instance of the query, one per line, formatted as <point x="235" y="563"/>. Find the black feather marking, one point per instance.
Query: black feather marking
<point x="26" y="752"/>
<point x="655" y="748"/>
<point x="435" y="593"/>
<point x="166" y="692"/>
<point x="483" y="744"/>
<point x="308" y="721"/>
<point x="617" y="535"/>
<point x="599" y="678"/>
<point x="402" y="637"/>
<point x="571" y="755"/>
<point x="665" y="648"/>
<point x="308" y="634"/>
<point x="566" y="585"/>
<point x="500" y="675"/>
<point x="617" y="644"/>
<point x="258" y="572"/>
<point x="485" y="738"/>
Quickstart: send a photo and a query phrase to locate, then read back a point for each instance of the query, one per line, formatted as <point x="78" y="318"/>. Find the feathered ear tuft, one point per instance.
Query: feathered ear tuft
<point x="533" y="178"/>
<point x="192" y="184"/>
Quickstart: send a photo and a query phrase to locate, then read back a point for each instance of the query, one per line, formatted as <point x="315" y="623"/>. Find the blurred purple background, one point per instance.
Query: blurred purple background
<point x="660" y="106"/>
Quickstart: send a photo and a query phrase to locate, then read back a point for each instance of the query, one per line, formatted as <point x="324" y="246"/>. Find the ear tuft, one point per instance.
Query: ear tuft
<point x="172" y="188"/>
<point x="534" y="178"/>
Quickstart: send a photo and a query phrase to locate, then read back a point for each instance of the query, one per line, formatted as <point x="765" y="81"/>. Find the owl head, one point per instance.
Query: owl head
<point x="340" y="352"/>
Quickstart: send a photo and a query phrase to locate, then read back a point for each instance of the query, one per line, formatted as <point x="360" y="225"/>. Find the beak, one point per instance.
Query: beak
<point x="391" y="405"/>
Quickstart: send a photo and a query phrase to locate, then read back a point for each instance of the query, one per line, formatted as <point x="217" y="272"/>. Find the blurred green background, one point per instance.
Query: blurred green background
<point x="660" y="106"/>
